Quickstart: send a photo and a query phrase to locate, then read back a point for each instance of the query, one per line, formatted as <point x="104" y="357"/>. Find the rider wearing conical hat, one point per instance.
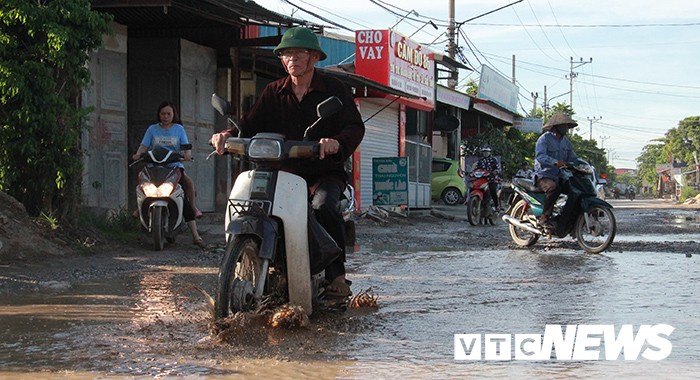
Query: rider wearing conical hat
<point x="552" y="151"/>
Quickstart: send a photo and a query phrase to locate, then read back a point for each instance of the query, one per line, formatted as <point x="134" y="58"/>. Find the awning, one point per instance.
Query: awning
<point x="189" y="14"/>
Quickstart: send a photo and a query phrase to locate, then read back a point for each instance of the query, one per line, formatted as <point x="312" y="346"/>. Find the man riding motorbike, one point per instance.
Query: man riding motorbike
<point x="287" y="106"/>
<point x="525" y="171"/>
<point x="552" y="151"/>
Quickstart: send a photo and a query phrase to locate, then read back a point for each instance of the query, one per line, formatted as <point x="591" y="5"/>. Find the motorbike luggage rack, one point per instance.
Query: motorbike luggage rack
<point x="249" y="207"/>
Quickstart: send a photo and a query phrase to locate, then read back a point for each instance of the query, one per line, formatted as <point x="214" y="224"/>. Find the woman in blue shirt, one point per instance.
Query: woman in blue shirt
<point x="170" y="134"/>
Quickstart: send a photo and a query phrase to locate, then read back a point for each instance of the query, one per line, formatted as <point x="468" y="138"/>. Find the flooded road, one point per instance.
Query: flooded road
<point x="154" y="324"/>
<point x="429" y="296"/>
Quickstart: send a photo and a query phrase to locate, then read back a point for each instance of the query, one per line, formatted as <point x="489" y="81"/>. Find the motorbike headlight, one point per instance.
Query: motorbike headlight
<point x="270" y="149"/>
<point x="153" y="191"/>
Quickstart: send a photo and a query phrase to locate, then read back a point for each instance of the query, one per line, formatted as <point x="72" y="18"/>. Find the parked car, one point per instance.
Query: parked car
<point x="447" y="181"/>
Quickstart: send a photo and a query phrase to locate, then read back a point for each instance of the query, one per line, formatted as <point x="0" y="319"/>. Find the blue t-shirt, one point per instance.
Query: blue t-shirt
<point x="169" y="138"/>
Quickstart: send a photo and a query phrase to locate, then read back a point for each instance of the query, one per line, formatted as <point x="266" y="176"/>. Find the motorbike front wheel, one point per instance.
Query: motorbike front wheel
<point x="239" y="276"/>
<point x="474" y="210"/>
<point x="520" y="236"/>
<point x="596" y="235"/>
<point x="158" y="228"/>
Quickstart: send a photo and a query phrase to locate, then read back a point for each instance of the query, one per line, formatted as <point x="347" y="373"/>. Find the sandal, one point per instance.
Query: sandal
<point x="338" y="289"/>
<point x="198" y="241"/>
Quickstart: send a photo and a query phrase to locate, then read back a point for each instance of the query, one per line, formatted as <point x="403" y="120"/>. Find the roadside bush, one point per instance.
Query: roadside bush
<point x="688" y="192"/>
<point x="116" y="225"/>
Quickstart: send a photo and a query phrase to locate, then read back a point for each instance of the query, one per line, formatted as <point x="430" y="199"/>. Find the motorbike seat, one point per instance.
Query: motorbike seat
<point x="527" y="184"/>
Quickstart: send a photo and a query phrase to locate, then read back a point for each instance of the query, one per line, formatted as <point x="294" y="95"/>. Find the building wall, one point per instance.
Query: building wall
<point x="104" y="144"/>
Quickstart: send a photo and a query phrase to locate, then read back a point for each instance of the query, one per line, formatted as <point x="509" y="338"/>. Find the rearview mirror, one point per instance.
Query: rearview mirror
<point x="220" y="104"/>
<point x="329" y="107"/>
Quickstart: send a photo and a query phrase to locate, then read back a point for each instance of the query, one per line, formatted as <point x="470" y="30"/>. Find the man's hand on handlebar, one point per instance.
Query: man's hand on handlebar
<point x="328" y="147"/>
<point x="218" y="141"/>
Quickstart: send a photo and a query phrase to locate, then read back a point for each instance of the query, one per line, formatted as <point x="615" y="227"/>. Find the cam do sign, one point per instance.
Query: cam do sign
<point x="396" y="61"/>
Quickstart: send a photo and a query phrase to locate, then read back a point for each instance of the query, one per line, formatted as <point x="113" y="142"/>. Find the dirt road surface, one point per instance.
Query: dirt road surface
<point x="126" y="310"/>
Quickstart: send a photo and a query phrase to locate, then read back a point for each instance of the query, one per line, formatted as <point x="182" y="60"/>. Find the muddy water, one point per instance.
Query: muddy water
<point x="154" y="325"/>
<point x="429" y="296"/>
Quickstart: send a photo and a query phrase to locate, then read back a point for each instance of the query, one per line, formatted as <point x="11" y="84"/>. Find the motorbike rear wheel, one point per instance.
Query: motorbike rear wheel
<point x="521" y="237"/>
<point x="474" y="210"/>
<point x="239" y="275"/>
<point x="596" y="236"/>
<point x="158" y="228"/>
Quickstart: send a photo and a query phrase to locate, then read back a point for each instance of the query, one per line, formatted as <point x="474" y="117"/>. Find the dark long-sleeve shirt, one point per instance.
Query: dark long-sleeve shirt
<point x="278" y="110"/>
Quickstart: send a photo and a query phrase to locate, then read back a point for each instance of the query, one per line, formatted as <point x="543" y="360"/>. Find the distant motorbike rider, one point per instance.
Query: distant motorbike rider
<point x="525" y="171"/>
<point x="552" y="152"/>
<point x="489" y="163"/>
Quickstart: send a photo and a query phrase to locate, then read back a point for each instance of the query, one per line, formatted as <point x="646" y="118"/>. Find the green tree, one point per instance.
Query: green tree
<point x="684" y="141"/>
<point x="512" y="145"/>
<point x="44" y="48"/>
<point x="472" y="87"/>
<point x="652" y="154"/>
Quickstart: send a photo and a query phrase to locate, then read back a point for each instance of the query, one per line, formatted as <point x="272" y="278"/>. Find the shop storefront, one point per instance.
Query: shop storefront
<point x="396" y="126"/>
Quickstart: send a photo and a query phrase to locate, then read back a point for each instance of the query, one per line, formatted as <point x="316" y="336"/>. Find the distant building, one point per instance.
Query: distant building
<point x="632" y="172"/>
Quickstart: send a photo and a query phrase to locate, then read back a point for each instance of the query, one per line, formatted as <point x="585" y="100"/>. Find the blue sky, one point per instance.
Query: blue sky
<point x="645" y="55"/>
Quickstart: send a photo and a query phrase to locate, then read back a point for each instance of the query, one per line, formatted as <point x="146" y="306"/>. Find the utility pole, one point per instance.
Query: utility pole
<point x="451" y="45"/>
<point x="573" y="75"/>
<point x="590" y="129"/>
<point x="544" y="102"/>
<point x="602" y="141"/>
<point x="534" y="102"/>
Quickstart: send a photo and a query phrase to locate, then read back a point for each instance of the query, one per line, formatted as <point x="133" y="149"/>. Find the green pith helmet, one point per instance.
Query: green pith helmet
<point x="560" y="118"/>
<point x="300" y="38"/>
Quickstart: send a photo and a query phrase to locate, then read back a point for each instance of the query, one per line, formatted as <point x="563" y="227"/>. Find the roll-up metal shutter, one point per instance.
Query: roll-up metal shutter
<point x="381" y="140"/>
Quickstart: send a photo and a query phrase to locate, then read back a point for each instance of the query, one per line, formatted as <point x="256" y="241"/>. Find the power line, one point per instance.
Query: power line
<point x="587" y="25"/>
<point x="334" y="14"/>
<point x="505" y="59"/>
<point x="531" y="38"/>
<point x="543" y="32"/>
<point x="319" y="16"/>
<point x="560" y="29"/>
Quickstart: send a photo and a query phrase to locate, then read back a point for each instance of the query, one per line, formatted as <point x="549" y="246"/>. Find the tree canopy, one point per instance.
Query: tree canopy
<point x="44" y="48"/>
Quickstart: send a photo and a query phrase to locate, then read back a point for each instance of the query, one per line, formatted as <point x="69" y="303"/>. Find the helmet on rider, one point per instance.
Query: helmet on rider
<point x="299" y="38"/>
<point x="560" y="122"/>
<point x="486" y="150"/>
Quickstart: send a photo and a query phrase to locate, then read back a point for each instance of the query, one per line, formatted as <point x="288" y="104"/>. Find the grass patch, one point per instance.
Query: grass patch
<point x="116" y="224"/>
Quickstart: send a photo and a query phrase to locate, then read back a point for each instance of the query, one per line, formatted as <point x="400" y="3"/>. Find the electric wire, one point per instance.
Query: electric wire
<point x="590" y="25"/>
<point x="531" y="38"/>
<point x="319" y="16"/>
<point x="542" y="30"/>
<point x="560" y="29"/>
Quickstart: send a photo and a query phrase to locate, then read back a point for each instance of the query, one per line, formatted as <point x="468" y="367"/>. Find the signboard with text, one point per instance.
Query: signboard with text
<point x="390" y="181"/>
<point x="498" y="89"/>
<point x="396" y="61"/>
<point x="528" y="124"/>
